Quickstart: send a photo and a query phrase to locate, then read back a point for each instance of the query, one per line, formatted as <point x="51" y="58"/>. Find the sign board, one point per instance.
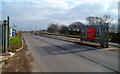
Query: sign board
<point x="95" y="33"/>
<point x="91" y="33"/>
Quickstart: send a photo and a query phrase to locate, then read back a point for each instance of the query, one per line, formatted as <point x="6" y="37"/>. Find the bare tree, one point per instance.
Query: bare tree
<point x="113" y="28"/>
<point x="90" y="19"/>
<point x="98" y="20"/>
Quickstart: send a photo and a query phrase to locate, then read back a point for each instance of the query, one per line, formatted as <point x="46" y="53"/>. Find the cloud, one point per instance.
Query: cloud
<point x="24" y="12"/>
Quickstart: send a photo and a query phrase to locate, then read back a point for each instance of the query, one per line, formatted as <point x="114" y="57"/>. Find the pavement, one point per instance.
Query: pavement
<point x="114" y="44"/>
<point x="52" y="55"/>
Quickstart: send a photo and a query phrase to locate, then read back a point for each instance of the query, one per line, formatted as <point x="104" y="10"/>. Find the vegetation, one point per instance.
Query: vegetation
<point x="114" y="37"/>
<point x="74" y="36"/>
<point x="53" y="28"/>
<point x="16" y="39"/>
<point x="15" y="43"/>
<point x="63" y="29"/>
<point x="73" y="30"/>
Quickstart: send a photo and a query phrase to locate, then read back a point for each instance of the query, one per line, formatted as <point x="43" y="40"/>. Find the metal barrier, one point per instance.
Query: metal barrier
<point x="1" y="34"/>
<point x="4" y="36"/>
<point x="95" y="33"/>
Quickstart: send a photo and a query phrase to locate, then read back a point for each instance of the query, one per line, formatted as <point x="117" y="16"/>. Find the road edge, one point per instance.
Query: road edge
<point x="8" y="55"/>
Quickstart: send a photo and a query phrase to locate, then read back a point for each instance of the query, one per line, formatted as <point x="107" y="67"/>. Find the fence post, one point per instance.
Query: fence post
<point x="4" y="36"/>
<point x="1" y="24"/>
<point x="8" y="31"/>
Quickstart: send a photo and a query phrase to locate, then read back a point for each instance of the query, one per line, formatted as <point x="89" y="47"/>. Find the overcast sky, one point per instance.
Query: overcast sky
<point x="25" y="14"/>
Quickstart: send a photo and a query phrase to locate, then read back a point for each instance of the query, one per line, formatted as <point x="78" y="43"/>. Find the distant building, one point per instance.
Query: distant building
<point x="12" y="31"/>
<point x="0" y="22"/>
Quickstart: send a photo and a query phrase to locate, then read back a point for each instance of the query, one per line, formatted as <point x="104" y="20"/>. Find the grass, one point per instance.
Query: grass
<point x="16" y="39"/>
<point x="75" y="36"/>
<point x="15" y="43"/>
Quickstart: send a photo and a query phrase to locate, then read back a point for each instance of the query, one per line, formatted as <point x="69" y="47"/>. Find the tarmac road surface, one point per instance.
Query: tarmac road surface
<point x="52" y="55"/>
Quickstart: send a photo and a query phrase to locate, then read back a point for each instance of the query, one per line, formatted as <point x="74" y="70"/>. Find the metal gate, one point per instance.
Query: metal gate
<point x="95" y="33"/>
<point x="4" y="36"/>
<point x="1" y="34"/>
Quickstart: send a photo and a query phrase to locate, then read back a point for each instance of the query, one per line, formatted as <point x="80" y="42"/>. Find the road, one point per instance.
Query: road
<point x="52" y="55"/>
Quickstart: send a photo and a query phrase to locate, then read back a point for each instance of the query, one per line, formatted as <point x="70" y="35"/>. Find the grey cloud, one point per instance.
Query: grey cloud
<point x="23" y="16"/>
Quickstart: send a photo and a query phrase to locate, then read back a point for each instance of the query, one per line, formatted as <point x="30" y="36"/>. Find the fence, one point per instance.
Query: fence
<point x="1" y="36"/>
<point x="4" y="36"/>
<point x="95" y="33"/>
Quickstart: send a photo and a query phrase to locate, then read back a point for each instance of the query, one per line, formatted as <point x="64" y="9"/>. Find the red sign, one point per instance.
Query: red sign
<point x="91" y="33"/>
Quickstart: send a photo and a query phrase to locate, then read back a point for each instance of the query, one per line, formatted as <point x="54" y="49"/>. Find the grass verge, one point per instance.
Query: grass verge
<point x="114" y="39"/>
<point x="15" y="43"/>
<point x="74" y="36"/>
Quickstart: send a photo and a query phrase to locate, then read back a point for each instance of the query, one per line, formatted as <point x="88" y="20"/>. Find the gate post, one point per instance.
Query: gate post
<point x="8" y="31"/>
<point x="5" y="36"/>
<point x="107" y="35"/>
<point x="1" y="32"/>
<point x="104" y="36"/>
<point x="2" y="37"/>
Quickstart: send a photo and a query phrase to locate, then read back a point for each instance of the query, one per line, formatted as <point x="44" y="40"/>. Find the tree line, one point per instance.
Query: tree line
<point x="74" y="28"/>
